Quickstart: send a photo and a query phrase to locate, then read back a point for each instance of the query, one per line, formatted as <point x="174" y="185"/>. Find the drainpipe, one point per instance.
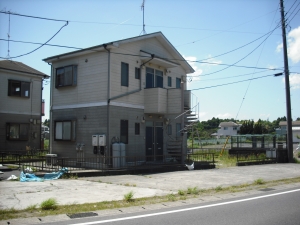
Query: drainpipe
<point x="51" y="105"/>
<point x="182" y="118"/>
<point x="108" y="103"/>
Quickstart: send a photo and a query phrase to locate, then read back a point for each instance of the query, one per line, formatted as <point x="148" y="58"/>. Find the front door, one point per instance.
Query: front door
<point x="154" y="141"/>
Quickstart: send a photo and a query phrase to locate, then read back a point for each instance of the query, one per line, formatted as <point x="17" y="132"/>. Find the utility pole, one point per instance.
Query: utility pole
<point x="287" y="89"/>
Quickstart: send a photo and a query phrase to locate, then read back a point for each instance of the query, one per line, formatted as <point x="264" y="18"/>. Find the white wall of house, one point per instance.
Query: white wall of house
<point x="20" y="105"/>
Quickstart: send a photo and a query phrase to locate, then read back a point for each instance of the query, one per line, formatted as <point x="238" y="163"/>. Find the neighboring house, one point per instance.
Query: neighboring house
<point x="227" y="129"/>
<point x="132" y="91"/>
<point x="295" y="129"/>
<point x="21" y="107"/>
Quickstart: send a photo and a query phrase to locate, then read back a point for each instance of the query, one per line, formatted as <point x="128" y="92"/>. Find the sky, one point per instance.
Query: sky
<point x="234" y="46"/>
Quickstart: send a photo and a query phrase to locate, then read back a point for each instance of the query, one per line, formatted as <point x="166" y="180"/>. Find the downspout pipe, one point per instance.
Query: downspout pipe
<point x="108" y="105"/>
<point x="51" y="105"/>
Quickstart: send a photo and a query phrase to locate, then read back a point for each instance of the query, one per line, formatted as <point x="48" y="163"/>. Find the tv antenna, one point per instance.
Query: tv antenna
<point x="143" y="9"/>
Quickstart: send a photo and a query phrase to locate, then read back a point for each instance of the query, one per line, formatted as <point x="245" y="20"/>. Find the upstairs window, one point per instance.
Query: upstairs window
<point x="178" y="82"/>
<point x="17" y="131"/>
<point x="66" y="76"/>
<point x="124" y="74"/>
<point x="65" y="130"/>
<point x="18" y="88"/>
<point x="169" y="81"/>
<point x="137" y="73"/>
<point x="225" y="128"/>
<point x="154" y="78"/>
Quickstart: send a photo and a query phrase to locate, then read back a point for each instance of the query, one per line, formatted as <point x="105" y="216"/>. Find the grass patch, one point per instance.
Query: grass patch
<point x="181" y="192"/>
<point x="49" y="204"/>
<point x="259" y="181"/>
<point x="31" y="211"/>
<point x="171" y="197"/>
<point x="129" y="196"/>
<point x="218" y="188"/>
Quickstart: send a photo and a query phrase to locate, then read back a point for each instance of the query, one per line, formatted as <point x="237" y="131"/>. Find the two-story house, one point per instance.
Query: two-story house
<point x="21" y="107"/>
<point x="295" y="130"/>
<point x="131" y="91"/>
<point x="228" y="129"/>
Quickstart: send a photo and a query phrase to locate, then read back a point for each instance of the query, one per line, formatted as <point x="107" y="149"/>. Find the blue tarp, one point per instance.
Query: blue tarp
<point x="26" y="177"/>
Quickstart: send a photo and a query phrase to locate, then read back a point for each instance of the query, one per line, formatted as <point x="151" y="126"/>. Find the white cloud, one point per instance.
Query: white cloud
<point x="293" y="42"/>
<point x="294" y="81"/>
<point x="294" y="45"/>
<point x="279" y="47"/>
<point x="212" y="61"/>
<point x="224" y="116"/>
<point x="196" y="75"/>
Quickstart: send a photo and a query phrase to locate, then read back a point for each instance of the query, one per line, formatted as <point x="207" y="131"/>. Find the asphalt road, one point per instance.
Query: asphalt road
<point x="270" y="207"/>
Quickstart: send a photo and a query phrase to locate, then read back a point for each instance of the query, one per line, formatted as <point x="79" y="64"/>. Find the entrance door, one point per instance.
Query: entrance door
<point x="154" y="141"/>
<point x="149" y="141"/>
<point x="159" y="143"/>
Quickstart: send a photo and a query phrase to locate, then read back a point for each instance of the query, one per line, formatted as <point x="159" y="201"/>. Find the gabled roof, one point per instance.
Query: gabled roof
<point x="294" y="123"/>
<point x="228" y="124"/>
<point x="20" y="67"/>
<point x="111" y="45"/>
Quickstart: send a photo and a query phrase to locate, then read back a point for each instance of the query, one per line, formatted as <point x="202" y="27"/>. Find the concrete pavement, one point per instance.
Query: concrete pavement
<point x="20" y="195"/>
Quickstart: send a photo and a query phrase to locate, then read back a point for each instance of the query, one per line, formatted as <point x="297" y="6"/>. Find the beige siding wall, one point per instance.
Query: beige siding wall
<point x="20" y="105"/>
<point x="134" y="60"/>
<point x="174" y="101"/>
<point x="91" y="80"/>
<point x="155" y="100"/>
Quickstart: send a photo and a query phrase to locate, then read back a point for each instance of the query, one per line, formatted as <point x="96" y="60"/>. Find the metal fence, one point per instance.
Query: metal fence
<point x="106" y="165"/>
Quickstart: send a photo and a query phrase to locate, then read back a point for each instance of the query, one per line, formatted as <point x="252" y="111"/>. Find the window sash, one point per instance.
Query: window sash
<point x="124" y="74"/>
<point x="137" y="129"/>
<point x="137" y="73"/>
<point x="65" y="130"/>
<point x="124" y="131"/>
<point x="17" y="131"/>
<point x="66" y="76"/>
<point x="18" y="88"/>
<point x="170" y="81"/>
<point x="178" y="82"/>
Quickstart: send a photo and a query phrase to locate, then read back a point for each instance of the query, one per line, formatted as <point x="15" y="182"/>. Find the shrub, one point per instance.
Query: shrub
<point x="181" y="192"/>
<point x="49" y="204"/>
<point x="259" y="181"/>
<point x="129" y="197"/>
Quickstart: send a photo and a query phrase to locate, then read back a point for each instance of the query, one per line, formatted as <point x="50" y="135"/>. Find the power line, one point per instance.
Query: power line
<point x="231" y="83"/>
<point x="244" y="56"/>
<point x="237" y="48"/>
<point x="191" y="61"/>
<point x="241" y="75"/>
<point x="35" y="17"/>
<point x="41" y="44"/>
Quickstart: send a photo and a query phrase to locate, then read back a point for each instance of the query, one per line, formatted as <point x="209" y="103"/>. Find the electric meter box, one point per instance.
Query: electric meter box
<point x="95" y="140"/>
<point x="102" y="140"/>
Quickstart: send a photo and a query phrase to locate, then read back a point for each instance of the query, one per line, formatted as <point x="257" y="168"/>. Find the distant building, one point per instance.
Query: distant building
<point x="21" y="106"/>
<point x="227" y="129"/>
<point x="295" y="130"/>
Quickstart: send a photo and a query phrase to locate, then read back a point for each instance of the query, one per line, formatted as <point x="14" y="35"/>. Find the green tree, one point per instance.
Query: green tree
<point x="46" y="123"/>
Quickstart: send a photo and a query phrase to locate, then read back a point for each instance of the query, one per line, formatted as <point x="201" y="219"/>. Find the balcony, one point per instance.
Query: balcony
<point x="155" y="100"/>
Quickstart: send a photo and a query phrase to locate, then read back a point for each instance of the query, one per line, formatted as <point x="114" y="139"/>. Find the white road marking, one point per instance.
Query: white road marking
<point x="185" y="209"/>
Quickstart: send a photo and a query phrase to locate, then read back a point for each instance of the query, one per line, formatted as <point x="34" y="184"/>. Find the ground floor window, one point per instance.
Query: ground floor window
<point x="124" y="131"/>
<point x="65" y="130"/>
<point x="17" y="131"/>
<point x="137" y="129"/>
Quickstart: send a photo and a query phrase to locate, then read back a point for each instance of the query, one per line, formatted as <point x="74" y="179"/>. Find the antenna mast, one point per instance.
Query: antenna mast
<point x="143" y="9"/>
